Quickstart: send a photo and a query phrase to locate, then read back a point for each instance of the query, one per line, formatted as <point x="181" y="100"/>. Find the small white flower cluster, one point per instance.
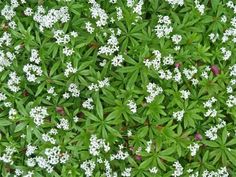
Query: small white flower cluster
<point x="222" y="172"/>
<point x="13" y="82"/>
<point x="33" y="70"/>
<point x="89" y="27"/>
<point x="213" y="37"/>
<point x="48" y="138"/>
<point x="38" y="114"/>
<point x="120" y="155"/>
<point x="223" y="19"/>
<point x="54" y="156"/>
<point x="185" y="94"/>
<point x="5" y="39"/>
<point x="163" y="28"/>
<point x="208" y="104"/>
<point x="231" y="101"/>
<point x="96" y="145"/>
<point x="61" y="37"/>
<point x="176" y="40"/>
<point x="153" y="90"/>
<point x="119" y="13"/>
<point x="178" y="77"/>
<point x="156" y="62"/>
<point x="212" y="132"/>
<point x="132" y="106"/>
<point x="8" y="12"/>
<point x="64" y="124"/>
<point x="126" y="172"/>
<point x="88" y="166"/>
<point x="117" y="60"/>
<point x="199" y="7"/>
<point x="129" y="133"/>
<point x="230" y="32"/>
<point x="138" y="7"/>
<point x="178" y="169"/>
<point x="165" y="74"/>
<point x="19" y="172"/>
<point x="12" y="113"/>
<point x="178" y="115"/>
<point x="189" y="73"/>
<point x="53" y="16"/>
<point x="34" y="58"/>
<point x="7" y="156"/>
<point x="193" y="148"/>
<point x="194" y="174"/>
<point x="111" y="46"/>
<point x="149" y="146"/>
<point x="69" y="69"/>
<point x="232" y="70"/>
<point x="175" y="2"/>
<point x="6" y="59"/>
<point x="2" y="96"/>
<point x="98" y="13"/>
<point x="30" y="150"/>
<point x="88" y="104"/>
<point x="67" y="51"/>
<point x="101" y="84"/>
<point x="153" y="170"/>
<point x="28" y="11"/>
<point x="226" y="53"/>
<point x="51" y="91"/>
<point x="73" y="89"/>
<point x="204" y="73"/>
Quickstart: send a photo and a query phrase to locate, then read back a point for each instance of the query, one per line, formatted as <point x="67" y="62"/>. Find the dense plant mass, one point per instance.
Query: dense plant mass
<point x="117" y="88"/>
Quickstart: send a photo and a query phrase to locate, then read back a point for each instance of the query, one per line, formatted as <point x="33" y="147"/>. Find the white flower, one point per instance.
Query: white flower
<point x="88" y="166"/>
<point x="30" y="150"/>
<point x="98" y="14"/>
<point x="111" y="46"/>
<point x="193" y="148"/>
<point x="64" y="124"/>
<point x="13" y="82"/>
<point x="126" y="172"/>
<point x="67" y="51"/>
<point x="132" y="106"/>
<point x="176" y="38"/>
<point x="69" y="69"/>
<point x="185" y="94"/>
<point x="32" y="71"/>
<point x="163" y="28"/>
<point x="226" y="53"/>
<point x="178" y="169"/>
<point x="175" y="2"/>
<point x="73" y="89"/>
<point x="88" y="104"/>
<point x="154" y="90"/>
<point x="200" y="7"/>
<point x="38" y="114"/>
<point x="28" y="11"/>
<point x="89" y="27"/>
<point x="117" y="60"/>
<point x="53" y="16"/>
<point x="178" y="115"/>
<point x="153" y="170"/>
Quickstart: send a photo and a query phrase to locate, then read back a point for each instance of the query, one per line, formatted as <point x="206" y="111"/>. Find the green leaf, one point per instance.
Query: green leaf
<point x="5" y="122"/>
<point x="20" y="126"/>
<point x="99" y="107"/>
<point x="20" y="108"/>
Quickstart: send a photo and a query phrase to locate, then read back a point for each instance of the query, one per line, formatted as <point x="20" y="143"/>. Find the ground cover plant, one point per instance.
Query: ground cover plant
<point x="117" y="88"/>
